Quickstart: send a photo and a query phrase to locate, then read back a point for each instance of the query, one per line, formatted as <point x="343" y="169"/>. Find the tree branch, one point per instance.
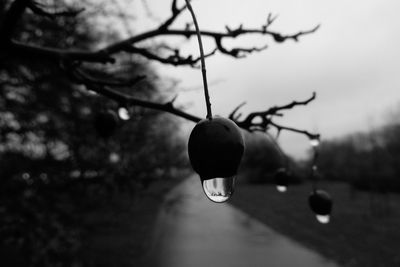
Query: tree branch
<point x="128" y="100"/>
<point x="175" y="13"/>
<point x="247" y="124"/>
<point x="82" y="76"/>
<point x="25" y="50"/>
<point x="105" y="54"/>
<point x="11" y="19"/>
<point x="73" y="58"/>
<point x="123" y="99"/>
<point x="291" y="129"/>
<point x="176" y="59"/>
<point x="264" y="118"/>
<point x="38" y="9"/>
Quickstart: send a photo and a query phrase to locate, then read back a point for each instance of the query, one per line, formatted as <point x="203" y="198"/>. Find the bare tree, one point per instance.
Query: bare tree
<point x="85" y="66"/>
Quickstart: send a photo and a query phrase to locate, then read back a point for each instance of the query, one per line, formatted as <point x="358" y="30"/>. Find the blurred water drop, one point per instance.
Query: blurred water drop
<point x="86" y="111"/>
<point x="75" y="174"/>
<point x="282" y="177"/>
<point x="314" y="142"/>
<point x="26" y="176"/>
<point x="44" y="178"/>
<point x="123" y="113"/>
<point x="91" y="92"/>
<point x="323" y="218"/>
<point x="281" y="188"/>
<point x="314" y="168"/>
<point x="42" y="118"/>
<point x="114" y="157"/>
<point x="219" y="189"/>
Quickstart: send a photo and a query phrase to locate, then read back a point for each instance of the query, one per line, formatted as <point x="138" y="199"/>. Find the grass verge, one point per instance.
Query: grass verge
<point x="364" y="230"/>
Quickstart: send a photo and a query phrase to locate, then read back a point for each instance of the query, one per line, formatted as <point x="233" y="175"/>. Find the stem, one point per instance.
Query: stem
<point x="203" y="62"/>
<point x="314" y="168"/>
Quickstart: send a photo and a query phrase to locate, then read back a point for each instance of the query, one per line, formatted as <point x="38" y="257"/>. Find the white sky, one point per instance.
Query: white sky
<point x="352" y="62"/>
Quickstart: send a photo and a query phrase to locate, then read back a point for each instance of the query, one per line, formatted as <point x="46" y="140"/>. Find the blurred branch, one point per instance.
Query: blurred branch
<point x="11" y="18"/>
<point x="247" y="124"/>
<point x="81" y="75"/>
<point x="264" y="118"/>
<point x="176" y="59"/>
<point x="74" y="58"/>
<point x="19" y="49"/>
<point x="291" y="129"/>
<point x="105" y="54"/>
<point x="175" y="13"/>
<point x="38" y="9"/>
<point x="217" y="36"/>
<point x="123" y="99"/>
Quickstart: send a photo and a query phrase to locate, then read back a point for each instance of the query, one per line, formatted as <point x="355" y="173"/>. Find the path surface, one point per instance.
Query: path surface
<point x="192" y="231"/>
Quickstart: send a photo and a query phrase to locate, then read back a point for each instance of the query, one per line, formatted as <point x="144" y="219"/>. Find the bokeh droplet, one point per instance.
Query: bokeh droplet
<point x="281" y="188"/>
<point x="314" y="142"/>
<point x="114" y="157"/>
<point x="123" y="113"/>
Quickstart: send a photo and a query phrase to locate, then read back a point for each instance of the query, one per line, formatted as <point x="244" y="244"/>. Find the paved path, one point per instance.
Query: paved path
<point x="192" y="231"/>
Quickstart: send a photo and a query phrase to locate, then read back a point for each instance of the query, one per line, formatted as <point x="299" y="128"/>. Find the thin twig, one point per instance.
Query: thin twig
<point x="202" y="60"/>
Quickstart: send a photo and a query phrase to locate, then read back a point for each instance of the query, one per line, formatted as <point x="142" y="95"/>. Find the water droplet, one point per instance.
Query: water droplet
<point x="219" y="189"/>
<point x="281" y="188"/>
<point x="91" y="92"/>
<point x="42" y="118"/>
<point x="75" y="174"/>
<point x="114" y="157"/>
<point x="323" y="218"/>
<point x="86" y="111"/>
<point x="314" y="142"/>
<point x="43" y="176"/>
<point x="282" y="177"/>
<point x="26" y="176"/>
<point x="123" y="113"/>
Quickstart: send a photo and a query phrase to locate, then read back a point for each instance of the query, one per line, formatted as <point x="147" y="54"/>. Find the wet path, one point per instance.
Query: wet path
<point x="192" y="231"/>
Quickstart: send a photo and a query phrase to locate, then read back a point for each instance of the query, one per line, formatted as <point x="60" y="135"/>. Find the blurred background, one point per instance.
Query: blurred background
<point x="72" y="195"/>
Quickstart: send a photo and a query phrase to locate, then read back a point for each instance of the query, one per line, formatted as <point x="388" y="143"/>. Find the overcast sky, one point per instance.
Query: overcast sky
<point x="352" y="62"/>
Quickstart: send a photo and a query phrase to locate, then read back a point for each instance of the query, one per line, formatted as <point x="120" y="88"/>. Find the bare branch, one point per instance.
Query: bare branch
<point x="291" y="129"/>
<point x="123" y="99"/>
<point x="265" y="118"/>
<point x="176" y="59"/>
<point x="270" y="20"/>
<point x="237" y="52"/>
<point x="105" y="54"/>
<point x="11" y="19"/>
<point x="233" y="116"/>
<point x="128" y="100"/>
<point x="274" y="110"/>
<point x="256" y="121"/>
<point x="24" y="50"/>
<point x="175" y="13"/>
<point x="83" y="76"/>
<point x="249" y="124"/>
<point x="38" y="9"/>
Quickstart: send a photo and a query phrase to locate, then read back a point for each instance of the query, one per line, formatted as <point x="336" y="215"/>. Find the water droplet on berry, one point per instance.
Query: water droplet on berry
<point x="281" y="188"/>
<point x="123" y="113"/>
<point x="323" y="218"/>
<point x="219" y="189"/>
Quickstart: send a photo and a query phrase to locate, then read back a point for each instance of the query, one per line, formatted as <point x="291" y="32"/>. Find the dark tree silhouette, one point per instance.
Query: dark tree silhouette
<point x="81" y="65"/>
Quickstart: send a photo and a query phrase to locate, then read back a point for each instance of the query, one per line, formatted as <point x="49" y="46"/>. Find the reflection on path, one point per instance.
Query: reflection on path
<point x="192" y="231"/>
